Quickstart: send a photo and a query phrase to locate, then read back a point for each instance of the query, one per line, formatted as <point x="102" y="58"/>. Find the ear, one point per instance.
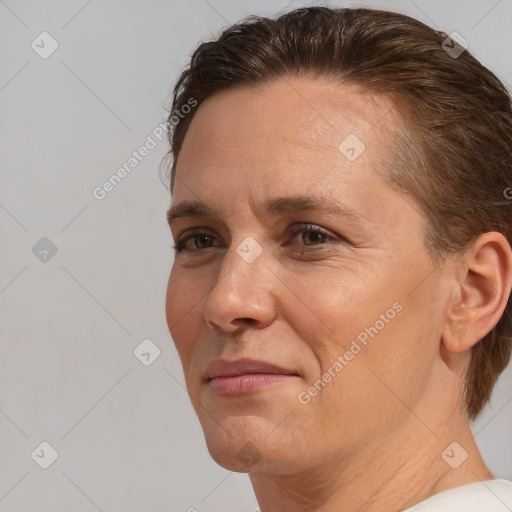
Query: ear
<point x="482" y="285"/>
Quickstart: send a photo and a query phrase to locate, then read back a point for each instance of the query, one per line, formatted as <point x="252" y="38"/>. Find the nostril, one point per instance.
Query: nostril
<point x="245" y="321"/>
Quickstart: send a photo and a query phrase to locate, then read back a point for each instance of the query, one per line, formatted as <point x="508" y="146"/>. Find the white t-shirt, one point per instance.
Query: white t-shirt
<point x="488" y="496"/>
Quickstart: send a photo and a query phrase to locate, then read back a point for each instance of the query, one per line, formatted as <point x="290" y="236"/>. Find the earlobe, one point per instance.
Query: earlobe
<point x="482" y="285"/>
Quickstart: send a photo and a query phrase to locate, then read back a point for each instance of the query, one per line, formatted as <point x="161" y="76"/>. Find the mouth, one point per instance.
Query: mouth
<point x="242" y="376"/>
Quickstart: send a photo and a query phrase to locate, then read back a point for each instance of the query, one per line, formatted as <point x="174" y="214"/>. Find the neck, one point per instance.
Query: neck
<point x="387" y="475"/>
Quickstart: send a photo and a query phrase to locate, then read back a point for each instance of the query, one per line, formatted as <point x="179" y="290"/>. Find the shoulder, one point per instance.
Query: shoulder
<point x="487" y="496"/>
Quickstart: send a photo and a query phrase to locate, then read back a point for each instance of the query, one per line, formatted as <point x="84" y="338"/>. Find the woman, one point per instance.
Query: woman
<point x="340" y="292"/>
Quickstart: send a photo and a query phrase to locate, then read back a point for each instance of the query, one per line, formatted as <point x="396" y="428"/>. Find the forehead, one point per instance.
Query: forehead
<point x="286" y="134"/>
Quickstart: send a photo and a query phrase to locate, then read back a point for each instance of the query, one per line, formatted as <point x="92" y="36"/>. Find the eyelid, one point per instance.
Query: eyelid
<point x="183" y="238"/>
<point x="305" y="226"/>
<point x="302" y="250"/>
<point x="200" y="230"/>
<point x="292" y="231"/>
<point x="295" y="228"/>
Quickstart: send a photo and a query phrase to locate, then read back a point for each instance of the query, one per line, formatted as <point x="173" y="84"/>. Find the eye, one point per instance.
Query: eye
<point x="201" y="239"/>
<point x="312" y="236"/>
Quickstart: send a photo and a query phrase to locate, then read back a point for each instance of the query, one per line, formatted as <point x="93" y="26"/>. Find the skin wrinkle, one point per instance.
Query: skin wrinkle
<point x="372" y="439"/>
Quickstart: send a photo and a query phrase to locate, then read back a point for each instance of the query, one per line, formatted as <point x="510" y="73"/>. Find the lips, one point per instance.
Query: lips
<point x="245" y="376"/>
<point x="245" y="366"/>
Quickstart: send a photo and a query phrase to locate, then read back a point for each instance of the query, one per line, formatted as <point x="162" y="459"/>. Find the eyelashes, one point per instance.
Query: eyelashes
<point x="181" y="245"/>
<point x="325" y="237"/>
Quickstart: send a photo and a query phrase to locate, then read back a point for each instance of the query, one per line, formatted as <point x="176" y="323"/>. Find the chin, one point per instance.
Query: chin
<point x="242" y="444"/>
<point x="235" y="442"/>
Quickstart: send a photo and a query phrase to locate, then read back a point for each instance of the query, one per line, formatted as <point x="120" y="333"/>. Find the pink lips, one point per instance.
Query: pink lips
<point x="242" y="376"/>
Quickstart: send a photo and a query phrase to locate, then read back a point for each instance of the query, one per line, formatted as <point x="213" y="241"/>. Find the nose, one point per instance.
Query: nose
<point x="243" y="293"/>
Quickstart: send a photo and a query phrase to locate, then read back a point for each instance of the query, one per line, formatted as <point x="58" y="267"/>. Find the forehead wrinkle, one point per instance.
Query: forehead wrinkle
<point x="283" y="205"/>
<point x="294" y="204"/>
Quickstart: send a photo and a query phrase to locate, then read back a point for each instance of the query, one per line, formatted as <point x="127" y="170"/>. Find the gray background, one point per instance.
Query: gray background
<point x="126" y="434"/>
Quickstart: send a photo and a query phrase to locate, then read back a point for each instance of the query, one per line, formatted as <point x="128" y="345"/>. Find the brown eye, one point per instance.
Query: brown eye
<point x="202" y="241"/>
<point x="312" y="235"/>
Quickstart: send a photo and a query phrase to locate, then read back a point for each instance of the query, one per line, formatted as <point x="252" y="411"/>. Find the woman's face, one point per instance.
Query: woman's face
<point x="341" y="295"/>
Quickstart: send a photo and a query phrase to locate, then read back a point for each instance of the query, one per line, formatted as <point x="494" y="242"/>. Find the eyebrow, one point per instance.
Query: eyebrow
<point x="272" y="207"/>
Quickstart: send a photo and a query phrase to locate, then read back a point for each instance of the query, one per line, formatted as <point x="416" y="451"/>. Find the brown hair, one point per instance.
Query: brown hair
<point x="455" y="155"/>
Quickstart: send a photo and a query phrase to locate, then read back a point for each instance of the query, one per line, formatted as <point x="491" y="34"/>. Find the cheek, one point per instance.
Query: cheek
<point x="183" y="313"/>
<point x="369" y="319"/>
<point x="399" y="344"/>
<point x="329" y="308"/>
